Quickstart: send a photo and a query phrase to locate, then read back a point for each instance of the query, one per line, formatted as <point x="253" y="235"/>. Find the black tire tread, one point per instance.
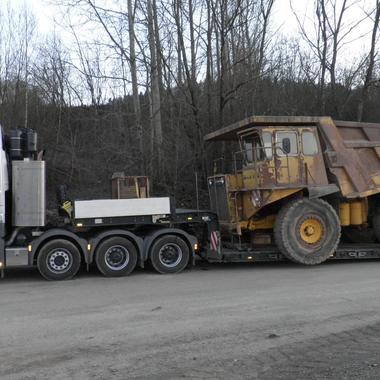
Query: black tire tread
<point x="44" y="251"/>
<point x="107" y="272"/>
<point x="163" y="240"/>
<point x="283" y="218"/>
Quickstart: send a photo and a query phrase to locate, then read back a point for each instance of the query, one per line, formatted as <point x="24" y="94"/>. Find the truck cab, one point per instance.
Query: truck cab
<point x="281" y="157"/>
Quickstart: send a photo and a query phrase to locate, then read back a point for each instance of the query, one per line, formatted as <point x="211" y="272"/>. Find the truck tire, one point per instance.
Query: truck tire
<point x="58" y="259"/>
<point x="169" y="254"/>
<point x="307" y="231"/>
<point x="116" y="257"/>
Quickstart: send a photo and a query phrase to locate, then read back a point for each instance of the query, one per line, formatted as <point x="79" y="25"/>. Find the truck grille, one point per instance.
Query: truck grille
<point x="218" y="197"/>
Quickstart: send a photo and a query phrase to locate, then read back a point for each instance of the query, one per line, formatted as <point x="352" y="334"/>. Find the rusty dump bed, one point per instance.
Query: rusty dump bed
<point x="351" y="149"/>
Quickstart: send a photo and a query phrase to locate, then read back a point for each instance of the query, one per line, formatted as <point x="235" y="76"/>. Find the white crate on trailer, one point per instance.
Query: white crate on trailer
<point x="113" y="208"/>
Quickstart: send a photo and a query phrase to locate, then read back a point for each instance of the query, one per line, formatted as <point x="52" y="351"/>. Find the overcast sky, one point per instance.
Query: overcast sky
<point x="46" y="12"/>
<point x="283" y="19"/>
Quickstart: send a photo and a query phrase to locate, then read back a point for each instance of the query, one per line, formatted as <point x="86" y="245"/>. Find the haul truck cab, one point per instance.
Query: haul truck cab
<point x="113" y="234"/>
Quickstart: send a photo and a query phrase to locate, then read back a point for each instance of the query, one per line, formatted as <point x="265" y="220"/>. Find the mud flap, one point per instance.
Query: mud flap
<point x="214" y="249"/>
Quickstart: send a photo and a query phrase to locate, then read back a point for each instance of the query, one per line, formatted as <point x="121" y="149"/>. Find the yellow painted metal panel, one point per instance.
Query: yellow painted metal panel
<point x="356" y="213"/>
<point x="344" y="214"/>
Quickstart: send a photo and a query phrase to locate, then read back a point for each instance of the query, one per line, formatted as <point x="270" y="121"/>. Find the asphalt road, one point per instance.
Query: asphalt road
<point x="277" y="321"/>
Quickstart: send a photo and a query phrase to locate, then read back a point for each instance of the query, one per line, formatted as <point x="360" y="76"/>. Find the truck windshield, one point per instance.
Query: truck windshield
<point x="256" y="147"/>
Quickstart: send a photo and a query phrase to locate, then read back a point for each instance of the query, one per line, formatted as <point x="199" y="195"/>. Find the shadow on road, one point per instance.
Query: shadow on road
<point x="15" y="275"/>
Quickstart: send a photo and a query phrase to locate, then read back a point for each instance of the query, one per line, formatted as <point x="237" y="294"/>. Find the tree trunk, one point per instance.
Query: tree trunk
<point x="155" y="89"/>
<point x="135" y="89"/>
<point x="371" y="64"/>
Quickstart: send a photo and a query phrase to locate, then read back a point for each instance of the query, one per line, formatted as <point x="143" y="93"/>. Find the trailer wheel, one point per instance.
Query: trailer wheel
<point x="116" y="257"/>
<point x="58" y="259"/>
<point x="307" y="231"/>
<point x="169" y="254"/>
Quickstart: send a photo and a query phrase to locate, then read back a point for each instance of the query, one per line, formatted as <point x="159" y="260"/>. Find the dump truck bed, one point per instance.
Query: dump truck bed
<point x="351" y="149"/>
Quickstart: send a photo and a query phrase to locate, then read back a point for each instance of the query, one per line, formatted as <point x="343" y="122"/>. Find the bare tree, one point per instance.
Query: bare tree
<point x="155" y="108"/>
<point x="135" y="89"/>
<point x="368" y="80"/>
<point x="331" y="33"/>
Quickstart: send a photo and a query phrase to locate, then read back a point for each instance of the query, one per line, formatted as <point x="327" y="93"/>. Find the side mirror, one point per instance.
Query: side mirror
<point x="286" y="145"/>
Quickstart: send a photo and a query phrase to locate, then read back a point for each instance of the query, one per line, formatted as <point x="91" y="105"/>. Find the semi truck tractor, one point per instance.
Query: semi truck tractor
<point x="297" y="187"/>
<point x="113" y="234"/>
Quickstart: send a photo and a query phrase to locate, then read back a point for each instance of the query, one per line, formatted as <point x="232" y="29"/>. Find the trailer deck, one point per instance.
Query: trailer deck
<point x="272" y="253"/>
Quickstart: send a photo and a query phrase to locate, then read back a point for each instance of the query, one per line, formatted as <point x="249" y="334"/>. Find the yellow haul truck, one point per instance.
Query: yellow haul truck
<point x="297" y="187"/>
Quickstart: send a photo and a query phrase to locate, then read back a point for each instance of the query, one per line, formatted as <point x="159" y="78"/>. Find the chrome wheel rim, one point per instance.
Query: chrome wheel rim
<point x="59" y="260"/>
<point x="116" y="257"/>
<point x="170" y="255"/>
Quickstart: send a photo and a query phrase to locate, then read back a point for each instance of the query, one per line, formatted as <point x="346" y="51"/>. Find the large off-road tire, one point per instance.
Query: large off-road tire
<point x="116" y="257"/>
<point x="58" y="259"/>
<point x="307" y="231"/>
<point x="169" y="254"/>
